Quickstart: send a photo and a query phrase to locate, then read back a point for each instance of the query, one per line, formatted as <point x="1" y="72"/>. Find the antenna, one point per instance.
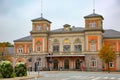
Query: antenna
<point x="93" y="6"/>
<point x="41" y="8"/>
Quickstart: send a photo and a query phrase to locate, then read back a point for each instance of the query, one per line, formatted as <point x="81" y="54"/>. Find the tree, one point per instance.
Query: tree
<point x="7" y="44"/>
<point x="4" y="54"/>
<point x="107" y="54"/>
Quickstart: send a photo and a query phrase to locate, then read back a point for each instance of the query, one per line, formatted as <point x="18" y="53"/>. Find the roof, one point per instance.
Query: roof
<point x="27" y="38"/>
<point x="93" y="15"/>
<point x="73" y="29"/>
<point x="41" y="19"/>
<point x="110" y="33"/>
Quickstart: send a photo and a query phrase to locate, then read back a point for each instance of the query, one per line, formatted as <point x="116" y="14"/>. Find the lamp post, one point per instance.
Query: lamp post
<point x="3" y="56"/>
<point x="30" y="64"/>
<point x="50" y="61"/>
<point x="38" y="65"/>
<point x="50" y="54"/>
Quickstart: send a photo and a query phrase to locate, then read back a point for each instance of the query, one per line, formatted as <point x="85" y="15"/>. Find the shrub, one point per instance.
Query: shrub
<point x="20" y="69"/>
<point x="6" y="69"/>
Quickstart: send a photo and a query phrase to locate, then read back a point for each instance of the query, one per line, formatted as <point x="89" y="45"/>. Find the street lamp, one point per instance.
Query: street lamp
<point x="50" y="54"/>
<point x="50" y="61"/>
<point x="38" y="65"/>
<point x="30" y="63"/>
<point x="2" y="55"/>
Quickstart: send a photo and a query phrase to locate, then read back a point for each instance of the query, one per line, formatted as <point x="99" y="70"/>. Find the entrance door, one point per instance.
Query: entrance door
<point x="66" y="64"/>
<point x="55" y="64"/>
<point x="77" y="63"/>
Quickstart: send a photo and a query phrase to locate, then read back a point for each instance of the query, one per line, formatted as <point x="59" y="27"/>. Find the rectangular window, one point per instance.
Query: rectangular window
<point x="39" y="28"/>
<point x="93" y="63"/>
<point x="66" y="48"/>
<point x="92" y="47"/>
<point x="38" y="48"/>
<point x="92" y="24"/>
<point x="111" y="64"/>
<point x="20" y="50"/>
<point x="30" y="50"/>
<point x="56" y="48"/>
<point x="77" y="48"/>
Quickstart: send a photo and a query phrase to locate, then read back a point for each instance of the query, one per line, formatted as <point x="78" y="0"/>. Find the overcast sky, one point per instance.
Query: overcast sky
<point x="16" y="15"/>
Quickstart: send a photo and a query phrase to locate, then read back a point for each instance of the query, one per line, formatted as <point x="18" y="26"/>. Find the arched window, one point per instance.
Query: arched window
<point x="66" y="64"/>
<point x="92" y="45"/>
<point x="77" y="63"/>
<point x="93" y="62"/>
<point x="39" y="61"/>
<point x="56" y="45"/>
<point x="66" y="46"/>
<point x="77" y="45"/>
<point x="20" y="50"/>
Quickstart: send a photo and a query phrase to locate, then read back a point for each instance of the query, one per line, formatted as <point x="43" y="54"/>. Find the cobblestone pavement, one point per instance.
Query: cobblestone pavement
<point x="76" y="75"/>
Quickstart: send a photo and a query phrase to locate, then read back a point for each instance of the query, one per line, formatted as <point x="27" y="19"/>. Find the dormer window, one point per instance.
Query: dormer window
<point x="67" y="27"/>
<point x="39" y="28"/>
<point x="92" y="24"/>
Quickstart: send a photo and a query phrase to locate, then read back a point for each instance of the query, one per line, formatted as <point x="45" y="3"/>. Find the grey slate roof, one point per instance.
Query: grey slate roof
<point x="41" y="19"/>
<point x="27" y="38"/>
<point x="93" y="15"/>
<point x="110" y="33"/>
<point x="73" y="29"/>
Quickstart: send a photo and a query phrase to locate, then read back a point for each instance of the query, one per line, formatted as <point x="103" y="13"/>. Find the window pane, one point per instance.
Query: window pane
<point x="56" y="48"/>
<point x="66" y="48"/>
<point x="92" y="24"/>
<point x="30" y="49"/>
<point x="38" y="48"/>
<point x="111" y="64"/>
<point x="92" y="47"/>
<point x="19" y="50"/>
<point x="77" y="48"/>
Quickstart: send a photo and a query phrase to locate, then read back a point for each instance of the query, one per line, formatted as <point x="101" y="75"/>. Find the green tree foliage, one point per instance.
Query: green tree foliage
<point x="107" y="54"/>
<point x="20" y="69"/>
<point x="4" y="54"/>
<point x="6" y="70"/>
<point x="6" y="44"/>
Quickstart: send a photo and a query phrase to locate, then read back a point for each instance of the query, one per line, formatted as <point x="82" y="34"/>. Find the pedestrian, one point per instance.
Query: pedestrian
<point x="82" y="67"/>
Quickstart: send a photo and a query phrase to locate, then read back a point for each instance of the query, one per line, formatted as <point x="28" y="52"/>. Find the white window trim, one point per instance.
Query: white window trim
<point x="92" y="24"/>
<point x="92" y="47"/>
<point x="37" y="48"/>
<point x="66" y="45"/>
<point x="112" y="64"/>
<point x="30" y="49"/>
<point x="38" y="28"/>
<point x="20" y="50"/>
<point x="77" y="45"/>
<point x="95" y="63"/>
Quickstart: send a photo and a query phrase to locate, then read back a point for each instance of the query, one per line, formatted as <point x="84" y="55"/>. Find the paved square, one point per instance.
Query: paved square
<point x="77" y="75"/>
